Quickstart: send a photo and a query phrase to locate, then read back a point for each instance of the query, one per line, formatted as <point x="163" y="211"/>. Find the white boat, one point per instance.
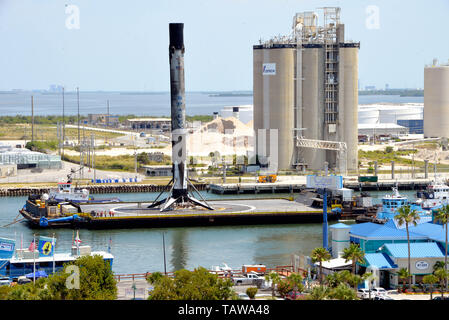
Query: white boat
<point x="15" y="263"/>
<point x="435" y="195"/>
<point x="67" y="192"/>
<point x="221" y="270"/>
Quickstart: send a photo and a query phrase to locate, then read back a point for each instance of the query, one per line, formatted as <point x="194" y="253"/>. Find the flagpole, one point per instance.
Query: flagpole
<point x="34" y="259"/>
<point x="53" y="248"/>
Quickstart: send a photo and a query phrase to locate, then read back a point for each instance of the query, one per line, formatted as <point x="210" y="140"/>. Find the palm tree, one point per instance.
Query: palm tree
<point x="442" y="215"/>
<point x="438" y="265"/>
<point x="320" y="255"/>
<point x="355" y="254"/>
<point x="403" y="274"/>
<point x="407" y="216"/>
<point x="319" y="293"/>
<point x="430" y="279"/>
<point x="274" y="278"/>
<point x="295" y="280"/>
<point x="441" y="274"/>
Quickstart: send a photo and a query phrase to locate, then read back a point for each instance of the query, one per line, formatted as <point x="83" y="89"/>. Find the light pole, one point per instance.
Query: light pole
<point x="163" y="245"/>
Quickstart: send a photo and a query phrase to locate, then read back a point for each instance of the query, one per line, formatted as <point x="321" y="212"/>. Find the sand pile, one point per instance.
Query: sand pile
<point x="227" y="136"/>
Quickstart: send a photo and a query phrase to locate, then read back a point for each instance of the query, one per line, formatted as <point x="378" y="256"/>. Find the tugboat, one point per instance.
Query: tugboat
<point x="66" y="192"/>
<point x="390" y="205"/>
<point x="435" y="196"/>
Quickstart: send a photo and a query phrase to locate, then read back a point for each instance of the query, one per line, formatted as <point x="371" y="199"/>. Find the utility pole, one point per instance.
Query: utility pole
<point x="93" y="158"/>
<point x="413" y="161"/>
<point x="78" y="98"/>
<point x="135" y="159"/>
<point x="107" y="117"/>
<point x="32" y="119"/>
<point x="163" y="245"/>
<point x="224" y="169"/>
<point x="325" y="224"/>
<point x="63" y="124"/>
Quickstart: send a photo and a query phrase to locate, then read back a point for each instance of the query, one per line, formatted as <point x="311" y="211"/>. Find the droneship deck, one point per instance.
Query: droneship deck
<point x="226" y="212"/>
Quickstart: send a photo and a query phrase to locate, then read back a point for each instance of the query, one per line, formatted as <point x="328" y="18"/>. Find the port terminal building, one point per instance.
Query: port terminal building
<point x="386" y="248"/>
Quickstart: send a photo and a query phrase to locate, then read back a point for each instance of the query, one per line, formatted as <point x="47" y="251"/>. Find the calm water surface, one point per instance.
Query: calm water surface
<point x="141" y="250"/>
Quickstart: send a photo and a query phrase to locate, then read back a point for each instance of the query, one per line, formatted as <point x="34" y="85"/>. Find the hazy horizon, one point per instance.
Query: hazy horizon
<point x="115" y="46"/>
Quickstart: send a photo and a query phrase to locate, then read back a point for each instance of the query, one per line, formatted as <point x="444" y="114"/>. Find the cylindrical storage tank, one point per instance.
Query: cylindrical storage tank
<point x="257" y="93"/>
<point x="313" y="104"/>
<point x="349" y="102"/>
<point x="274" y="98"/>
<point x="340" y="238"/>
<point x="436" y="101"/>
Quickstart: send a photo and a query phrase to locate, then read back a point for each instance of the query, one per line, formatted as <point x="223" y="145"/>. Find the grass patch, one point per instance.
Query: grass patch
<point x="22" y="131"/>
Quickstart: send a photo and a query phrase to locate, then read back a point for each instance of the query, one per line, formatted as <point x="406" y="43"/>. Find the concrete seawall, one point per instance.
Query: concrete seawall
<point x="93" y="189"/>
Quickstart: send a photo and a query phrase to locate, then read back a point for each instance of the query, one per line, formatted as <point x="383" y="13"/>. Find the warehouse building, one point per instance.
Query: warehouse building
<point x="163" y="124"/>
<point x="306" y="89"/>
<point x="24" y="158"/>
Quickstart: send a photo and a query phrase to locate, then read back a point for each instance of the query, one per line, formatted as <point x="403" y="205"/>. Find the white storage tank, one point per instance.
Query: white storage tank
<point x="340" y="238"/>
<point x="436" y="101"/>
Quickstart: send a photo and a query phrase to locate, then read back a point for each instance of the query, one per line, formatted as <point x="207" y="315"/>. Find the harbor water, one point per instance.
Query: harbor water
<point x="148" y="104"/>
<point x="141" y="250"/>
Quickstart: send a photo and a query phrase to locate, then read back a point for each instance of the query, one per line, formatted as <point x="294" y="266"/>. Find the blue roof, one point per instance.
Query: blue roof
<point x="387" y="231"/>
<point x="379" y="261"/>
<point x="417" y="250"/>
<point x="431" y="230"/>
<point x="340" y="226"/>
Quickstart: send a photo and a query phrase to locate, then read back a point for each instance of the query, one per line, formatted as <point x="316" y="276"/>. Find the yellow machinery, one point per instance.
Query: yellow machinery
<point x="267" y="179"/>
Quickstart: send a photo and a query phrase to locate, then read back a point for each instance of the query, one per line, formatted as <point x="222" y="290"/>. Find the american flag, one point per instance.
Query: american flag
<point x="32" y="246"/>
<point x="77" y="239"/>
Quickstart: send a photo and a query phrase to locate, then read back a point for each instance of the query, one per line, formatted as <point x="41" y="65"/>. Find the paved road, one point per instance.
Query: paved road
<point x="60" y="175"/>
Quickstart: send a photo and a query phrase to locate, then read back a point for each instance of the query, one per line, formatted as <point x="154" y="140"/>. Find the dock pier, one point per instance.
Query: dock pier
<point x="296" y="186"/>
<point x="93" y="189"/>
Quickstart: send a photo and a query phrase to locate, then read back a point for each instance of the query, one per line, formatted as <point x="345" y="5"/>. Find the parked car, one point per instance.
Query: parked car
<point x="243" y="296"/>
<point x="440" y="298"/>
<point x="363" y="294"/>
<point x="5" y="281"/>
<point x="247" y="279"/>
<point x="378" y="292"/>
<point x="383" y="297"/>
<point x="23" y="280"/>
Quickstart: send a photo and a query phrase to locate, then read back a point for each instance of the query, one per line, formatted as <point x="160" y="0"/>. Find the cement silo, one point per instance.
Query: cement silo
<point x="349" y="101"/>
<point x="313" y="104"/>
<point x="436" y="101"/>
<point x="274" y="98"/>
<point x="310" y="79"/>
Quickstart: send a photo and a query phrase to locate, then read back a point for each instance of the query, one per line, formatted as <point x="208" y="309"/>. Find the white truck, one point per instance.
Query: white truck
<point x="248" y="279"/>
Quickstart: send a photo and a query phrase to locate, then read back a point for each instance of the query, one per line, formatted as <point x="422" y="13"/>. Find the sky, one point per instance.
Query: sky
<point x="115" y="45"/>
